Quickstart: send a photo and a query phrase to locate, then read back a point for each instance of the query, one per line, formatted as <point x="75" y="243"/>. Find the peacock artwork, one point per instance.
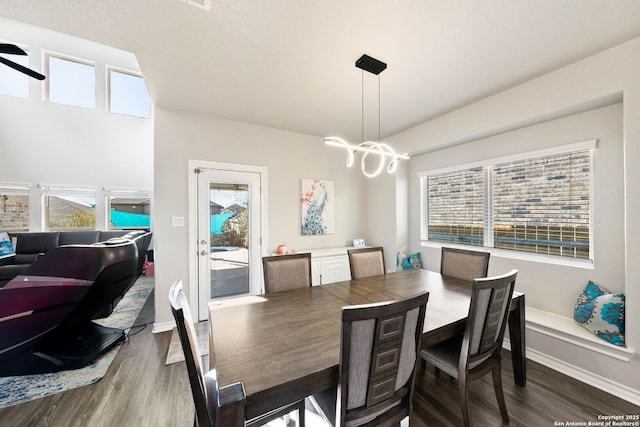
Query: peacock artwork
<point x="317" y="207"/>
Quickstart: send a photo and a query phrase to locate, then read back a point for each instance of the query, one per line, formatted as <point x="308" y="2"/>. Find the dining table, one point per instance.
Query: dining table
<point x="285" y="346"/>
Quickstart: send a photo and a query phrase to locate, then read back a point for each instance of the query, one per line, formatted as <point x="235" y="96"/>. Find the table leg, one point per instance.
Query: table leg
<point x="231" y="407"/>
<point x="518" y="342"/>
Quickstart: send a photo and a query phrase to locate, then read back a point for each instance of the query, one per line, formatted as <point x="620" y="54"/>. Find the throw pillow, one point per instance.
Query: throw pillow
<point x="399" y="260"/>
<point x="601" y="312"/>
<point x="412" y="262"/>
<point x="6" y="248"/>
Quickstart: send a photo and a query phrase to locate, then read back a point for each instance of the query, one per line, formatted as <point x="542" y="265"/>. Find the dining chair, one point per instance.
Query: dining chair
<point x="477" y="351"/>
<point x="366" y="262"/>
<point x="464" y="264"/>
<point x="284" y="272"/>
<point x="208" y="397"/>
<point x="379" y="348"/>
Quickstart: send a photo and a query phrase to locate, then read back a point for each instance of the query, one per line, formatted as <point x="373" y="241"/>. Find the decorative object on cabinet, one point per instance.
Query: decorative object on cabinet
<point x="317" y="207"/>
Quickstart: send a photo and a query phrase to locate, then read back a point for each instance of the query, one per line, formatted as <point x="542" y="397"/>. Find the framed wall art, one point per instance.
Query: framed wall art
<point x="317" y="207"/>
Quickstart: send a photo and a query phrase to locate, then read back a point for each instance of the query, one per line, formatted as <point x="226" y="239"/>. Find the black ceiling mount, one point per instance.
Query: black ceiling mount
<point x="12" y="49"/>
<point x="370" y="64"/>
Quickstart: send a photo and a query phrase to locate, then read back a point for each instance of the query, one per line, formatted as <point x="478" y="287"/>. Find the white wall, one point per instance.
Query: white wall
<point x="289" y="157"/>
<point x="566" y="282"/>
<point x="44" y="143"/>
<point x="592" y="82"/>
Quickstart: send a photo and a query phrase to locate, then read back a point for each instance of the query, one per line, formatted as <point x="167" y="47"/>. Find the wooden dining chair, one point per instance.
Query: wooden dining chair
<point x="366" y="262"/>
<point x="464" y="264"/>
<point x="208" y="397"/>
<point x="477" y="352"/>
<point x="284" y="272"/>
<point x="379" y="349"/>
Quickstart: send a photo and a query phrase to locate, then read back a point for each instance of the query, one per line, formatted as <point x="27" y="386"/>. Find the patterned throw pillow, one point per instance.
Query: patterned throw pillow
<point x="412" y="262"/>
<point x="400" y="257"/>
<point x="601" y="312"/>
<point x="6" y="248"/>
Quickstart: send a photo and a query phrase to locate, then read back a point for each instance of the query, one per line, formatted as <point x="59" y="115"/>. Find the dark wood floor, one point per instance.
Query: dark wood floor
<point x="139" y="390"/>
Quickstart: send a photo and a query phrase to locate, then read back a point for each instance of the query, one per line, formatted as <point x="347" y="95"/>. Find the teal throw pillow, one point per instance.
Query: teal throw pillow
<point x="6" y="248"/>
<point x="601" y="312"/>
<point x="412" y="262"/>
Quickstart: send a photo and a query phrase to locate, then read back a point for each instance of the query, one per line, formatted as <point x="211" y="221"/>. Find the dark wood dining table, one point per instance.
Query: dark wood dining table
<point x="285" y="346"/>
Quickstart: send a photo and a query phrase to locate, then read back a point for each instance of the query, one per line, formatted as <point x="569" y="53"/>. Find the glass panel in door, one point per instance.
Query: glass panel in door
<point x="228" y="234"/>
<point x="229" y="228"/>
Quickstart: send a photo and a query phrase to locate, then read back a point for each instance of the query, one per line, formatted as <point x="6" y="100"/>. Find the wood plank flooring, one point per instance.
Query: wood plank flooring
<point x="139" y="391"/>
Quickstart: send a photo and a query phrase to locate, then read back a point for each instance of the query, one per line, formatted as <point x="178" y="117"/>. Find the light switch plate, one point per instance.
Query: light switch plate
<point x="177" y="221"/>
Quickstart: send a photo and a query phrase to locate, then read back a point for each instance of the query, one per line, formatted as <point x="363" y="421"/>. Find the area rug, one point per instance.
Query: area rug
<point x="175" y="354"/>
<point x="19" y="389"/>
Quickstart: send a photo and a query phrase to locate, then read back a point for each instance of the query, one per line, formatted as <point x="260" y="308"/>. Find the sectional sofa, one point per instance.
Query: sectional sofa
<point x="30" y="246"/>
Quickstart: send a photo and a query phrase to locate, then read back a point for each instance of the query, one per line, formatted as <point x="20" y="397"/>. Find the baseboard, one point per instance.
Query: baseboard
<point x="597" y="381"/>
<point x="163" y="327"/>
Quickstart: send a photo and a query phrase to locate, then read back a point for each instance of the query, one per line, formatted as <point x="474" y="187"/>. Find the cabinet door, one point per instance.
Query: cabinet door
<point x="316" y="272"/>
<point x="335" y="269"/>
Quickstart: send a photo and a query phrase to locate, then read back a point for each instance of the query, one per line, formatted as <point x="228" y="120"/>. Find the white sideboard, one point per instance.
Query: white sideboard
<point x="329" y="265"/>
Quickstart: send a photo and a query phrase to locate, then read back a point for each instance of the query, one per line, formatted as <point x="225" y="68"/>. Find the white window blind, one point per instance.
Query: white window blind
<point x="543" y="205"/>
<point x="456" y="206"/>
<point x="540" y="202"/>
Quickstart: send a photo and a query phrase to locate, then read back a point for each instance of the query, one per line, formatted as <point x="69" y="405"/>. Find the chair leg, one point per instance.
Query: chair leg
<point x="496" y="373"/>
<point x="301" y="412"/>
<point x="463" y="390"/>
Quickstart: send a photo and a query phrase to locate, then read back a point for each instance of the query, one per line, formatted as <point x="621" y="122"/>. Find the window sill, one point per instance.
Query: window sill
<point x="523" y="256"/>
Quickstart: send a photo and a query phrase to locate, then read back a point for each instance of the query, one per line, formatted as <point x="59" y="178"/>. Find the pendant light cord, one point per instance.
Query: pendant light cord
<point x="362" y="105"/>
<point x="378" y="107"/>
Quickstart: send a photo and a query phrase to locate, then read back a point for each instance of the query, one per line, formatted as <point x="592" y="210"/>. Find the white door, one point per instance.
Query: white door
<point x="229" y="235"/>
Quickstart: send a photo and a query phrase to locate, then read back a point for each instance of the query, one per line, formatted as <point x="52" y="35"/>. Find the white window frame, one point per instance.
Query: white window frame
<point x="61" y="191"/>
<point x="488" y="240"/>
<point x="111" y="69"/>
<point x="16" y="59"/>
<point x="20" y="189"/>
<point x="46" y="87"/>
<point x="122" y="192"/>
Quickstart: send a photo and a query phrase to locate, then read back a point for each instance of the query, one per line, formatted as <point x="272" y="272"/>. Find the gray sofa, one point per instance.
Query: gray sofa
<point x="29" y="246"/>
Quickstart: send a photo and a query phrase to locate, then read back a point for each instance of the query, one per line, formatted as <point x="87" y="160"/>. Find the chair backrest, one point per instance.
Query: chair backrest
<point x="284" y="272"/>
<point x="378" y="356"/>
<point x="488" y="315"/>
<point x="366" y="262"/>
<point x="464" y="264"/>
<point x="205" y="413"/>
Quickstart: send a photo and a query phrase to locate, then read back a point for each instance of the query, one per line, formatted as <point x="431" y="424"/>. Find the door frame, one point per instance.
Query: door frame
<point x="192" y="165"/>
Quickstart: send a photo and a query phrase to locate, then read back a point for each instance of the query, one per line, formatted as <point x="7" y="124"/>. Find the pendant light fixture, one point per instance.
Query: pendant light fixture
<point x="381" y="149"/>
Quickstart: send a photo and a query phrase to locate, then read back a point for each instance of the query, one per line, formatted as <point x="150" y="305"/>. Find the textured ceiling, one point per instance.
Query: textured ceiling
<point x="289" y="64"/>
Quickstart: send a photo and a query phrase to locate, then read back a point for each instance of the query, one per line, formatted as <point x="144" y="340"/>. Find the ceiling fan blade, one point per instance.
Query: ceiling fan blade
<point x="11" y="49"/>
<point x="22" y="69"/>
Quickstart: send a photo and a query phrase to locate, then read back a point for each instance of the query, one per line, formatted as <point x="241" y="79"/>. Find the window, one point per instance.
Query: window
<point x="67" y="208"/>
<point x="128" y="209"/>
<point x="14" y="207"/>
<point x="12" y="82"/>
<point x="539" y="204"/>
<point x="128" y="94"/>
<point x="71" y="82"/>
<point x="456" y="207"/>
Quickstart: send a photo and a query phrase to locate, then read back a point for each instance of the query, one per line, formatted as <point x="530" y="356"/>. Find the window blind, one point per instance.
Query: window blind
<point x="542" y="204"/>
<point x="455" y="206"/>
